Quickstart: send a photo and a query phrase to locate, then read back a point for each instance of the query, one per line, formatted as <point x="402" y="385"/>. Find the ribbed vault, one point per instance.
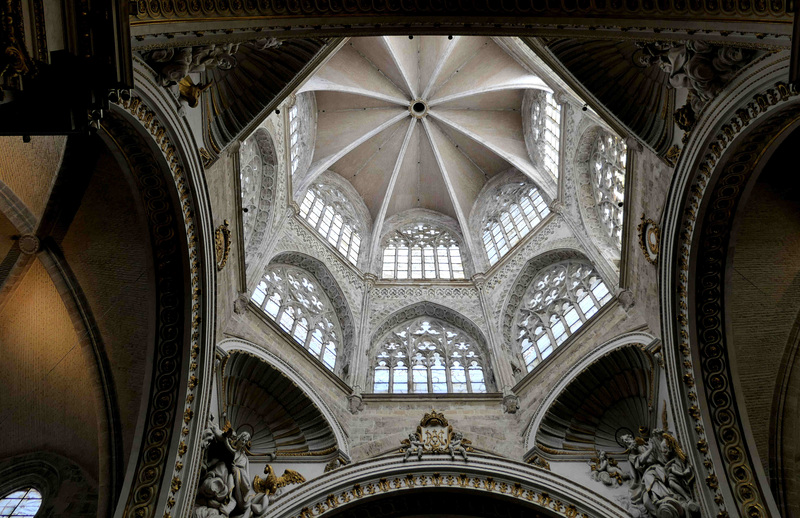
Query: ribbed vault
<point x="279" y="416"/>
<point x="421" y="123"/>
<point x="610" y="397"/>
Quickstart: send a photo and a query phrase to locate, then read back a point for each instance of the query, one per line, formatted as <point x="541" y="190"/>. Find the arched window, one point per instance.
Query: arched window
<point x="546" y="126"/>
<point x="558" y="301"/>
<point x="292" y="298"/>
<point x="250" y="179"/>
<point x="518" y="209"/>
<point x="422" y="251"/>
<point x="294" y="138"/>
<point x="21" y="503"/>
<point x="608" y="181"/>
<point x="328" y="211"/>
<point x="427" y="355"/>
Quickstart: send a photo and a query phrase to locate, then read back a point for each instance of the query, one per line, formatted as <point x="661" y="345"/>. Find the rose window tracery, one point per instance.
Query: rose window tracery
<point x="607" y="164"/>
<point x="518" y="209"/>
<point x="427" y="355"/>
<point x="292" y="298"/>
<point x="559" y="300"/>
<point x="422" y="251"/>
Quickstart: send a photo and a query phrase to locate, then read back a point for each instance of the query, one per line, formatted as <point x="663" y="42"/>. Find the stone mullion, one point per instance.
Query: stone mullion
<point x="500" y="362"/>
<point x="359" y="366"/>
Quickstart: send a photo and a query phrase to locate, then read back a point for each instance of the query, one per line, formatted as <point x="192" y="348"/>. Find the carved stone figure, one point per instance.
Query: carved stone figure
<point x="510" y="401"/>
<point x="225" y="489"/>
<point x="456" y="446"/>
<point x="355" y="401"/>
<point x="415" y="445"/>
<point x="273" y="483"/>
<point x="605" y="470"/>
<point x="700" y="67"/>
<point x="661" y="484"/>
<point x="175" y="64"/>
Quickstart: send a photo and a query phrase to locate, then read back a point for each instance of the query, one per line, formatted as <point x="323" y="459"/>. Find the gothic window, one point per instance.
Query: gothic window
<point x="560" y="299"/>
<point x="294" y="137"/>
<point x="547" y="123"/>
<point x="422" y="251"/>
<point x="608" y="181"/>
<point x="518" y="209"/>
<point x="21" y="503"/>
<point x="426" y="355"/>
<point x="328" y="211"/>
<point x="292" y="298"/>
<point x="250" y="179"/>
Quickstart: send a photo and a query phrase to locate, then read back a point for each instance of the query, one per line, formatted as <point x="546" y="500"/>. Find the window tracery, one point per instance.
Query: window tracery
<point x="559" y="300"/>
<point x="21" y="503"/>
<point x="426" y="355"/>
<point x="546" y="124"/>
<point x="328" y="212"/>
<point x="292" y="298"/>
<point x="422" y="251"/>
<point x="519" y="208"/>
<point x="294" y="138"/>
<point x="250" y="179"/>
<point x="607" y="165"/>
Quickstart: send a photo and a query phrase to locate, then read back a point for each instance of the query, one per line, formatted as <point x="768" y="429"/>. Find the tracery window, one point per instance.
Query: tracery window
<point x="607" y="166"/>
<point x="328" y="211"/>
<point x="292" y="298"/>
<point x="250" y="176"/>
<point x="21" y="503"/>
<point x="422" y="251"/>
<point x="519" y="208"/>
<point x="294" y="137"/>
<point x="558" y="301"/>
<point x="427" y="355"/>
<point x="547" y="126"/>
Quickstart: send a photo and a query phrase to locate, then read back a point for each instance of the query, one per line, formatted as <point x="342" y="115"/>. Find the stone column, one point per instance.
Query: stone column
<point x="501" y="364"/>
<point x="360" y="364"/>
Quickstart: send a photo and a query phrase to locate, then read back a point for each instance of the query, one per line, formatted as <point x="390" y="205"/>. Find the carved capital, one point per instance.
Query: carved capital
<point x="240" y="304"/>
<point x="556" y="206"/>
<point x="626" y="299"/>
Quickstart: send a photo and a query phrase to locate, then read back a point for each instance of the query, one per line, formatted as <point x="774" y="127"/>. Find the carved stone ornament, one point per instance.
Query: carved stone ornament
<point x="28" y="244"/>
<point x="662" y="479"/>
<point x="510" y="401"/>
<point x="222" y="244"/>
<point x="435" y="435"/>
<point x="173" y="64"/>
<point x="672" y="155"/>
<point x="14" y="59"/>
<point x="649" y="239"/>
<point x="355" y="401"/>
<point x="702" y="68"/>
<point x="539" y="461"/>
<point x="225" y="489"/>
<point x="240" y="304"/>
<point x="605" y="470"/>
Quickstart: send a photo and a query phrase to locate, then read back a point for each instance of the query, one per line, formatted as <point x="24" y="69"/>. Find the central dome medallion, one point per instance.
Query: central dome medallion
<point x="422" y="123"/>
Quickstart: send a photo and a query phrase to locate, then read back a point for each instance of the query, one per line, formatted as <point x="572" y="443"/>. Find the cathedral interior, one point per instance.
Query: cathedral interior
<point x="381" y="258"/>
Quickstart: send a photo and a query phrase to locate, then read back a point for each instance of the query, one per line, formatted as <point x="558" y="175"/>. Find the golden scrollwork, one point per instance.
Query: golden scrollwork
<point x="649" y="239"/>
<point x="222" y="244"/>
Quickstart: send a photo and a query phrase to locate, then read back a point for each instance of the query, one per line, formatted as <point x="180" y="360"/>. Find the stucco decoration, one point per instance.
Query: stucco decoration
<point x="282" y="421"/>
<point x="258" y="162"/>
<point x="442" y="313"/>
<point x="67" y="491"/>
<point x="337" y="299"/>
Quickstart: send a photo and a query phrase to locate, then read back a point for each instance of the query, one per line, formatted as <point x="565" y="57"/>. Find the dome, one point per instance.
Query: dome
<point x="423" y="124"/>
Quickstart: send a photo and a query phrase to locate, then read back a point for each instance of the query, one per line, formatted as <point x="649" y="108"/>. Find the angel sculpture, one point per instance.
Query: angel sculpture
<point x="415" y="445"/>
<point x="273" y="483"/>
<point x="605" y="470"/>
<point x="456" y="446"/>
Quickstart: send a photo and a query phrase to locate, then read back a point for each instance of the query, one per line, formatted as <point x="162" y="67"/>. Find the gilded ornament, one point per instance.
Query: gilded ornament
<point x="672" y="155"/>
<point x="272" y="483"/>
<point x="435" y="435"/>
<point x="191" y="92"/>
<point x="222" y="244"/>
<point x="539" y="461"/>
<point x="649" y="239"/>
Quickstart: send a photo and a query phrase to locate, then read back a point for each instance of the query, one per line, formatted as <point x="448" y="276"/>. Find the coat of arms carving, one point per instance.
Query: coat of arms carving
<point x="435" y="435"/>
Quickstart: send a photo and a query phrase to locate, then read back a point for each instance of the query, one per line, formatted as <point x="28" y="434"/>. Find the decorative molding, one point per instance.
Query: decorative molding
<point x="649" y="239"/>
<point x="720" y="189"/>
<point x="222" y="244"/>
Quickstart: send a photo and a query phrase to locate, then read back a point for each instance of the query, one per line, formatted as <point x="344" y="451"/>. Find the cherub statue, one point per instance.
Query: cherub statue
<point x="605" y="470"/>
<point x="415" y="445"/>
<point x="456" y="445"/>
